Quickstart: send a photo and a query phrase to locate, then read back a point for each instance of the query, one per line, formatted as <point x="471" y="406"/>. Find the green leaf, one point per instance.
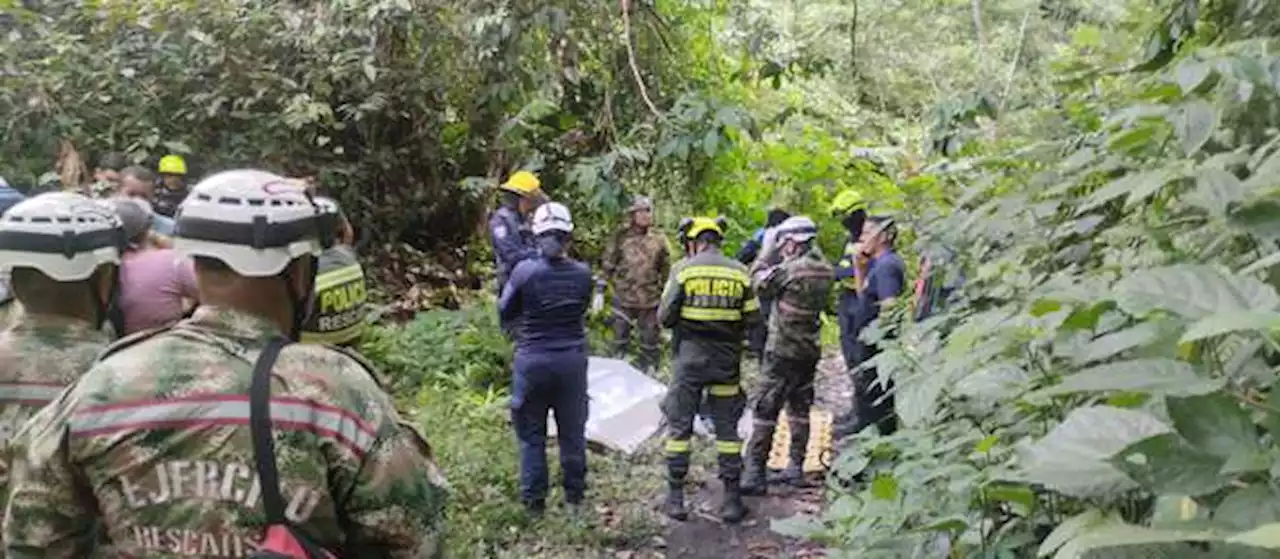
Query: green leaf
<point x="1168" y="289"/>
<point x="1074" y="457"/>
<point x="1232" y="321"/>
<point x="1116" y="343"/>
<point x="1194" y="123"/>
<point x="1071" y="528"/>
<point x="1215" y="191"/>
<point x="1261" y="264"/>
<point x="1272" y="421"/>
<point x="884" y="487"/>
<point x="1191" y="73"/>
<point x="1266" y="536"/>
<point x="1265" y="175"/>
<point x="1167" y="464"/>
<point x="710" y="142"/>
<point x="1156" y="376"/>
<point x="1248" y="507"/>
<point x="1132" y="139"/>
<point x="1124" y="537"/>
<point x="1144" y="182"/>
<point x="1214" y="423"/>
<point x="1173" y="510"/>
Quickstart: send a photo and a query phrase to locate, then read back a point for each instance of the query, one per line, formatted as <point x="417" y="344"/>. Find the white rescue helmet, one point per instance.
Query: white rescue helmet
<point x="800" y="229"/>
<point x="552" y="216"/>
<point x="254" y="221"/>
<point x="64" y="235"/>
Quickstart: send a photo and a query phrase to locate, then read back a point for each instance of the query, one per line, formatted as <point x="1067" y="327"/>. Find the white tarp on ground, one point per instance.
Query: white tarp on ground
<point x="625" y="411"/>
<point x="625" y="405"/>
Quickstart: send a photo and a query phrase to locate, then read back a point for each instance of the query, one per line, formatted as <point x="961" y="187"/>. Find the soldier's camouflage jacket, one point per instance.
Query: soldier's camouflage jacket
<point x="153" y="442"/>
<point x="800" y="288"/>
<point x="637" y="265"/>
<point x="39" y="356"/>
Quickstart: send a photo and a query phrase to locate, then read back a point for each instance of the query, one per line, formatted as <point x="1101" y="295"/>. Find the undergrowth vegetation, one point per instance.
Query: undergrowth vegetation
<point x="1105" y="385"/>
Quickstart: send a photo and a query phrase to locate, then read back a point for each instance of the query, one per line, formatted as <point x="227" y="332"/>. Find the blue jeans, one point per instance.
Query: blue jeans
<point x="551" y="381"/>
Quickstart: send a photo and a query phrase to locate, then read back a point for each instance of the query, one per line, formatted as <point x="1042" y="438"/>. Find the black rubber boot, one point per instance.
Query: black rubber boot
<point x="674" y="507"/>
<point x="753" y="478"/>
<point x="793" y="475"/>
<point x="732" y="510"/>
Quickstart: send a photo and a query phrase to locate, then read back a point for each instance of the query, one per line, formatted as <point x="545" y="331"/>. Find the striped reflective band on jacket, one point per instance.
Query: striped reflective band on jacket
<point x="214" y="410"/>
<point x="29" y="393"/>
<point x="847" y="261"/>
<point x="724" y="298"/>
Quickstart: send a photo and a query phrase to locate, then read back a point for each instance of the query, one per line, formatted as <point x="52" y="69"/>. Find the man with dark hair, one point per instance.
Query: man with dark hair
<point x="881" y="275"/>
<point x="139" y="183"/>
<point x="106" y="176"/>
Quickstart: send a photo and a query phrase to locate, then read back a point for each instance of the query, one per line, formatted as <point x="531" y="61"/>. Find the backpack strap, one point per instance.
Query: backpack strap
<point x="264" y="451"/>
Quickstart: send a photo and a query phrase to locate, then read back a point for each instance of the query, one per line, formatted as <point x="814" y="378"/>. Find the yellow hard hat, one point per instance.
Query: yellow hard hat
<point x="846" y="202"/>
<point x="172" y="165"/>
<point x="699" y="225"/>
<point x="523" y="183"/>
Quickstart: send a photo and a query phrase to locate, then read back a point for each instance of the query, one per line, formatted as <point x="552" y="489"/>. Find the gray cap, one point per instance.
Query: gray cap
<point x="134" y="214"/>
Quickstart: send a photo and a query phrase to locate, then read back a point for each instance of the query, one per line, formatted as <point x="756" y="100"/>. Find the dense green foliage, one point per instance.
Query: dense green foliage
<point x="1105" y="386"/>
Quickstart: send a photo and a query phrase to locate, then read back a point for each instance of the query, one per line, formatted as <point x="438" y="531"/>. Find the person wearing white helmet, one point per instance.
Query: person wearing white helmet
<point x="545" y="305"/>
<point x="62" y="251"/>
<point x="308" y="451"/>
<point x="799" y="289"/>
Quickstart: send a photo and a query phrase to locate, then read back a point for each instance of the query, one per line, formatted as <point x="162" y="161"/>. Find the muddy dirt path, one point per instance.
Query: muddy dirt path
<point x="703" y="536"/>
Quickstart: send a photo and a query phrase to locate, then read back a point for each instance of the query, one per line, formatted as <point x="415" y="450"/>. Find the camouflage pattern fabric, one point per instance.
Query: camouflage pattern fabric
<point x="39" y="356"/>
<point x="101" y="189"/>
<point x="637" y="265"/>
<point x="153" y="444"/>
<point x="799" y="289"/>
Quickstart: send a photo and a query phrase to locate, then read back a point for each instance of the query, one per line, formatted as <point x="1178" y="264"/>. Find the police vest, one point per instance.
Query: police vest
<point x="338" y="313"/>
<point x="715" y="294"/>
<point x="847" y="260"/>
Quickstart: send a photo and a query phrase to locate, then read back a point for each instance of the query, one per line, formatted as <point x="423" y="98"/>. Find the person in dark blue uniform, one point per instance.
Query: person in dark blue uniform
<point x="882" y="280"/>
<point x="545" y="305"/>
<point x="512" y="242"/>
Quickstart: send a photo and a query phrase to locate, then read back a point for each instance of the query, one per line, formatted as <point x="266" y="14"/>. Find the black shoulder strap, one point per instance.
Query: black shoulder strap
<point x="264" y="451"/>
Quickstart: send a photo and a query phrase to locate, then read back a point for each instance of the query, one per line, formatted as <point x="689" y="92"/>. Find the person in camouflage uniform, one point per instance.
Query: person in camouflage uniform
<point x="152" y="447"/>
<point x="799" y="288"/>
<point x="709" y="304"/>
<point x="636" y="263"/>
<point x="65" y="296"/>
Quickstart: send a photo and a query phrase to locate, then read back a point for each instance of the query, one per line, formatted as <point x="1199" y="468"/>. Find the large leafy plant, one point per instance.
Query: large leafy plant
<point x="1105" y="384"/>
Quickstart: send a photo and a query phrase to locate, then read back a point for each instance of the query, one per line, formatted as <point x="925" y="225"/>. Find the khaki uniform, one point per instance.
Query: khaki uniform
<point x="799" y="288"/>
<point x="637" y="264"/>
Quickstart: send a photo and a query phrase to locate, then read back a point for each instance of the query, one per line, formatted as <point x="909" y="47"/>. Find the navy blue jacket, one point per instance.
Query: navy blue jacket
<point x="546" y="302"/>
<point x="512" y="242"/>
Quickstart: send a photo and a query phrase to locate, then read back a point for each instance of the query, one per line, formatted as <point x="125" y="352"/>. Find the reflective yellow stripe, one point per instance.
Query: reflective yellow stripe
<point x="334" y="278"/>
<point x="751" y="305"/>
<point x="729" y="447"/>
<point x="676" y="445"/>
<point x="336" y="337"/>
<point x="698" y="313"/>
<point x="712" y="272"/>
<point x="724" y="390"/>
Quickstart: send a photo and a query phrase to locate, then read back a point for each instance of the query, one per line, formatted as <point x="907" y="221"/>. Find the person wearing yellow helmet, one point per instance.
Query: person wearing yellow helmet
<point x="850" y="207"/>
<point x="709" y="304"/>
<point x="518" y="197"/>
<point x="173" y="187"/>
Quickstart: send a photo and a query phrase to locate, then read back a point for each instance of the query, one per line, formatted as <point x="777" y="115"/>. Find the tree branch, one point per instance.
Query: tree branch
<point x="631" y="58"/>
<point x="1013" y="66"/>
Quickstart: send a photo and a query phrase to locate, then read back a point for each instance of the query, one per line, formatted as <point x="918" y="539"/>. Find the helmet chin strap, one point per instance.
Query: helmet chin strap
<point x="109" y="311"/>
<point x="301" y="302"/>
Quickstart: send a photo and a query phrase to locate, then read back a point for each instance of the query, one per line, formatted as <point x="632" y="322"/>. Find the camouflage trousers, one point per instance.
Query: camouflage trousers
<point x="724" y="401"/>
<point x="625" y="320"/>
<point x="786" y="382"/>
